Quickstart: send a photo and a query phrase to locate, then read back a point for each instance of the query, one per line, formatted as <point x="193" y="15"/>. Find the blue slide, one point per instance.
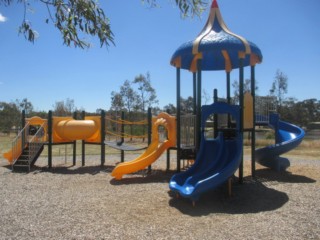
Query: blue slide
<point x="288" y="137"/>
<point x="217" y="159"/>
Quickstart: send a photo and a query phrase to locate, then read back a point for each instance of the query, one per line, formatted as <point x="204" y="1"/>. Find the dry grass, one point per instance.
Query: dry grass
<point x="67" y="149"/>
<point x="309" y="149"/>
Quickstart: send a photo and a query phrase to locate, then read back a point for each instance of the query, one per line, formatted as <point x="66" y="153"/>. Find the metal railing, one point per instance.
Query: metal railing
<point x="24" y="139"/>
<point x="36" y="142"/>
<point x="19" y="143"/>
<point x="187" y="130"/>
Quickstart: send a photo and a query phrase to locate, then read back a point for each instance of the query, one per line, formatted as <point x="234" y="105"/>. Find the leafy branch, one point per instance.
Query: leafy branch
<point x="188" y="8"/>
<point x="76" y="18"/>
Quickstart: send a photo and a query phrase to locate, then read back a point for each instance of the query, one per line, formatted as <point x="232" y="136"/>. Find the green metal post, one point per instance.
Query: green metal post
<point x="194" y="93"/>
<point x="74" y="144"/>
<point x="122" y="136"/>
<point x="241" y="103"/>
<point x="228" y="89"/>
<point x="23" y="119"/>
<point x="149" y="131"/>
<point x="194" y="108"/>
<point x="228" y="97"/>
<point x="215" y="121"/>
<point x="50" y="139"/>
<point x="149" y="125"/>
<point x="198" y="121"/>
<point x="23" y="123"/>
<point x="83" y="145"/>
<point x="253" y="137"/>
<point x="168" y="159"/>
<point x="103" y="137"/>
<point x="178" y="120"/>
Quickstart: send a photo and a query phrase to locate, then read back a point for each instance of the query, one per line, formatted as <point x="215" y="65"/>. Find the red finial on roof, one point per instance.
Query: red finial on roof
<point x="214" y="4"/>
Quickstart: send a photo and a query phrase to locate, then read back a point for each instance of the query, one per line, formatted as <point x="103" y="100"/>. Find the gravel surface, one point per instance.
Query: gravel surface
<point x="74" y="202"/>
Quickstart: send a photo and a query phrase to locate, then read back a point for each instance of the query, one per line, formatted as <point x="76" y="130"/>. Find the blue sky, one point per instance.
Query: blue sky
<point x="286" y="31"/>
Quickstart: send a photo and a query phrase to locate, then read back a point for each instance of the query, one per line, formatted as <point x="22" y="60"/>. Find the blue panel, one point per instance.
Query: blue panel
<point x="216" y="161"/>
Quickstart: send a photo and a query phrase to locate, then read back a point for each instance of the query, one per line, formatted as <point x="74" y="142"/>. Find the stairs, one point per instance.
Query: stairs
<point x="23" y="163"/>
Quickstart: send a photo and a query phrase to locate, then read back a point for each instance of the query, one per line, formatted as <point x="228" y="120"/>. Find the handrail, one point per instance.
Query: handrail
<point x="19" y="143"/>
<point x="36" y="142"/>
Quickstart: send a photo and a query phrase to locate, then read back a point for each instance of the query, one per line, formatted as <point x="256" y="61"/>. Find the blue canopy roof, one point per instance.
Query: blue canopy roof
<point x="217" y="47"/>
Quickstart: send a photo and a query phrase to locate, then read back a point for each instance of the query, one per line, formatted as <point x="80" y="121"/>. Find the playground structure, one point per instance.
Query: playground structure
<point x="155" y="149"/>
<point x="120" y="134"/>
<point x="287" y="137"/>
<point x="217" y="149"/>
<point x="37" y="132"/>
<point x="218" y="158"/>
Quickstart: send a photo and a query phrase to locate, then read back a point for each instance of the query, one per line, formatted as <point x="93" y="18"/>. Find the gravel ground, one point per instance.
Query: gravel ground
<point x="74" y="202"/>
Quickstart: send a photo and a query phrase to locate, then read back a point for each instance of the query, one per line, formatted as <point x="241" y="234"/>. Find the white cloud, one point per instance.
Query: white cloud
<point x="2" y="18"/>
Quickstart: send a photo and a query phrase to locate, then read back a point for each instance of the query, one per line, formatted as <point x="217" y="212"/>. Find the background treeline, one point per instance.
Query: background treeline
<point x="305" y="113"/>
<point x="136" y="96"/>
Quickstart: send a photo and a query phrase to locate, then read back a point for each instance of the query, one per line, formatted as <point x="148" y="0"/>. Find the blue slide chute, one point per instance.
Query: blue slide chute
<point x="217" y="159"/>
<point x="288" y="137"/>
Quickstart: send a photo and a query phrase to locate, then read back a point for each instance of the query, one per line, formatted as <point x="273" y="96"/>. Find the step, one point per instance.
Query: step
<point x="22" y="160"/>
<point x="20" y="165"/>
<point x="23" y="168"/>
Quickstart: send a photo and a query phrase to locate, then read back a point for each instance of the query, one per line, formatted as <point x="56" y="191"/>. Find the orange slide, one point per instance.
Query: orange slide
<point x="11" y="154"/>
<point x="155" y="149"/>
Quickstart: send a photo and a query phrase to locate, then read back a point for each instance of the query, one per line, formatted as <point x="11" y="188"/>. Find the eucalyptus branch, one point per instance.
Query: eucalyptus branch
<point x="76" y="18"/>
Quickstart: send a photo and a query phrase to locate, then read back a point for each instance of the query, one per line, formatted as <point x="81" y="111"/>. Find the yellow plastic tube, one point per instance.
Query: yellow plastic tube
<point x="76" y="129"/>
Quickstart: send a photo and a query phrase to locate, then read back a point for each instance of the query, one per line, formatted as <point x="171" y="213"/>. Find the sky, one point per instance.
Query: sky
<point x="286" y="31"/>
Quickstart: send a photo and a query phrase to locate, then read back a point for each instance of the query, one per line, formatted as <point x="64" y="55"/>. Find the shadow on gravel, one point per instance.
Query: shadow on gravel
<point x="143" y="177"/>
<point x="253" y="196"/>
<point x="266" y="175"/>
<point x="93" y="170"/>
<point x="250" y="197"/>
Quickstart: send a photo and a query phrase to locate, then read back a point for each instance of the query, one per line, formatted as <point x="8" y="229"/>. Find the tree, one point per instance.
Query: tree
<point x="10" y="117"/>
<point x="148" y="95"/>
<point x="301" y="113"/>
<point x="289" y="111"/>
<point x="25" y="105"/>
<point x="116" y="101"/>
<point x="279" y="87"/>
<point x="186" y="105"/>
<point x="129" y="97"/>
<point x="64" y="108"/>
<point x="205" y="97"/>
<point x="76" y="18"/>
<point x="246" y="88"/>
<point x="170" y="108"/>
